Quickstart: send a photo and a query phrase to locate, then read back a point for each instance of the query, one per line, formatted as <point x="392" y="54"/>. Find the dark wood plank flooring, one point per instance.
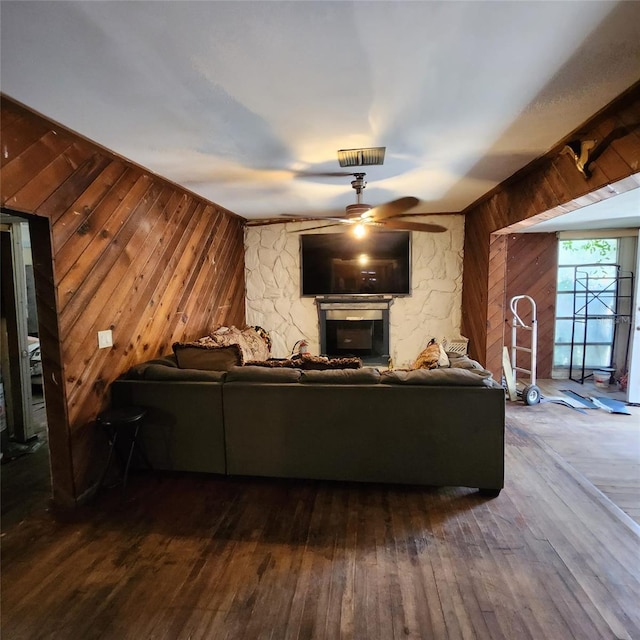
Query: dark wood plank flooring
<point x="604" y="447"/>
<point x="201" y="557"/>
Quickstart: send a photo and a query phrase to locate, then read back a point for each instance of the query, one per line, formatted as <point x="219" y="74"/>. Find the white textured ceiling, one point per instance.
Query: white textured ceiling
<point x="232" y="99"/>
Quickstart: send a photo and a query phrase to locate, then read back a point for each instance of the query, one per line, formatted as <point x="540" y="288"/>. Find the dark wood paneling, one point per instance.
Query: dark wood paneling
<point x="532" y="260"/>
<point x="121" y="249"/>
<point x="495" y="298"/>
<point x="548" y="187"/>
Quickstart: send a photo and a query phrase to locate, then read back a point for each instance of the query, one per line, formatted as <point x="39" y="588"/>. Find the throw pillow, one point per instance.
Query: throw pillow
<point x="208" y="358"/>
<point x="443" y="360"/>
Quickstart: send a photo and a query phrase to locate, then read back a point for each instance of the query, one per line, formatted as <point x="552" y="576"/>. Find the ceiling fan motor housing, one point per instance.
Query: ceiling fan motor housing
<point x="357" y="210"/>
<point x="359" y="184"/>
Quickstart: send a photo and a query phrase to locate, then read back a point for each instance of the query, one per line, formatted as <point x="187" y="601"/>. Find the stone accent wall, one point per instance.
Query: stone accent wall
<point x="272" y="271"/>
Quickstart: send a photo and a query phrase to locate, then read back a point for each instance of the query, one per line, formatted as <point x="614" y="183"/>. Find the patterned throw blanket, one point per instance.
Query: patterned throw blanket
<point x="309" y="362"/>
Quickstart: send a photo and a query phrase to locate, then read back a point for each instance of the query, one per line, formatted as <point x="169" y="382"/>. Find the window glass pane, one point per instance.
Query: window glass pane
<point x="564" y="305"/>
<point x="561" y="356"/>
<point x="586" y="296"/>
<point x="594" y="271"/>
<point x="598" y="356"/>
<point x="564" y="329"/>
<point x="566" y="281"/>
<point x="600" y="330"/>
<point x="577" y="356"/>
<point x="579" y="307"/>
<point x="602" y="305"/>
<point x="603" y="251"/>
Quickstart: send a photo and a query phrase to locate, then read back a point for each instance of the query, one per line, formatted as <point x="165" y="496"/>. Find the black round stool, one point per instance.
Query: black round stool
<point x="122" y="422"/>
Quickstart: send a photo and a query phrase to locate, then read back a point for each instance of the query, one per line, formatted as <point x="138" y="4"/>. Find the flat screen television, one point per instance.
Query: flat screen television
<point x="340" y="263"/>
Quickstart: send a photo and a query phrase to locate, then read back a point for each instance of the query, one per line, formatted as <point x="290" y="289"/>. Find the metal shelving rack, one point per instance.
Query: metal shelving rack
<point x="615" y="296"/>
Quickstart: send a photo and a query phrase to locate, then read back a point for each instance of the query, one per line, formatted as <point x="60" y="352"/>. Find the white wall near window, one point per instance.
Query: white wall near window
<point x="633" y="380"/>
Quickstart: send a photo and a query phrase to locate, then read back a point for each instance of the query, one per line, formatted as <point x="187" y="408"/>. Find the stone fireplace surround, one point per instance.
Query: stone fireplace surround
<point x="273" y="300"/>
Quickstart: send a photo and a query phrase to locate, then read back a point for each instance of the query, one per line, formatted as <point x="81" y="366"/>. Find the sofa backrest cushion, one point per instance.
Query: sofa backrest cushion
<point x="457" y="361"/>
<point x="137" y="372"/>
<point x="262" y="374"/>
<point x="441" y="377"/>
<point x="366" y="375"/>
<point x="207" y="358"/>
<point x="161" y="372"/>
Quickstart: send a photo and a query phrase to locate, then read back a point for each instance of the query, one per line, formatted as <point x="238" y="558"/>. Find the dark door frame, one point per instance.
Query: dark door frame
<point x="63" y="485"/>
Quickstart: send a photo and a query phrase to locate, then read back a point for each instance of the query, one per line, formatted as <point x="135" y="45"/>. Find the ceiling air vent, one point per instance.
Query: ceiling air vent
<point x="361" y="157"/>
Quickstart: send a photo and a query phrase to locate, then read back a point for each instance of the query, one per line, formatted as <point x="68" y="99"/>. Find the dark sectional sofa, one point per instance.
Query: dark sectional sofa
<point x="441" y="427"/>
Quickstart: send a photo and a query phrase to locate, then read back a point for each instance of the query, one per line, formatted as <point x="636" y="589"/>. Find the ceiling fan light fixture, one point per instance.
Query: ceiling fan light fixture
<point x="359" y="231"/>
<point x="361" y="157"/>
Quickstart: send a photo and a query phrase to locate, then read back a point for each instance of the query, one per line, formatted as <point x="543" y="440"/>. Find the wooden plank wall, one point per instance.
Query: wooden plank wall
<point x="496" y="292"/>
<point x="120" y="249"/>
<point x="532" y="264"/>
<point x="546" y="188"/>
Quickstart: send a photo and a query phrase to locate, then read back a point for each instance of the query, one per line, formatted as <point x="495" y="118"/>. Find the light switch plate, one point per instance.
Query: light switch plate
<point x="105" y="339"/>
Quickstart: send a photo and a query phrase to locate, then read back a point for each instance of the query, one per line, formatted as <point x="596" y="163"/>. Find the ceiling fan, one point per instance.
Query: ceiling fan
<point x="364" y="215"/>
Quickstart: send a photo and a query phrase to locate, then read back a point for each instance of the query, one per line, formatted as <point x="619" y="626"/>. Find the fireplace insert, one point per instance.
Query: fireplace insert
<point x="357" y="328"/>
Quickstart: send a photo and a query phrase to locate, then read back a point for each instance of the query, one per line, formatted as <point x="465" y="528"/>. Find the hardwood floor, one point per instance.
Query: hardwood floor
<point x="26" y="477"/>
<point x="202" y="557"/>
<point x="604" y="447"/>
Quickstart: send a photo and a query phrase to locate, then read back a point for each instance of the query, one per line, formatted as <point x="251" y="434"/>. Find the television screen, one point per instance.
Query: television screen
<point x="340" y="263"/>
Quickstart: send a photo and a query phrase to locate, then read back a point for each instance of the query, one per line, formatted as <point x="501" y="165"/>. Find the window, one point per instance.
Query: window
<point x="586" y="303"/>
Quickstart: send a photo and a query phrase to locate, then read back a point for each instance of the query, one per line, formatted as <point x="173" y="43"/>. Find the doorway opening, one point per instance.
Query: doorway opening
<point x="23" y="417"/>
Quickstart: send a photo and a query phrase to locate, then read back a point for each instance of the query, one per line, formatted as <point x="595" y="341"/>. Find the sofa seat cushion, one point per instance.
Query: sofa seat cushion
<point x="441" y="377"/>
<point x="365" y="375"/>
<point x="193" y="355"/>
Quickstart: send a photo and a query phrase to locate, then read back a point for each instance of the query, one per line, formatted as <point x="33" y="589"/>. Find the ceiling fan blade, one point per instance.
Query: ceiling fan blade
<point x="393" y="208"/>
<point x="322" y="174"/>
<point x="429" y="213"/>
<point x="296" y="218"/>
<point x="291" y="218"/>
<point x="261" y="222"/>
<point x="322" y="226"/>
<point x="409" y="226"/>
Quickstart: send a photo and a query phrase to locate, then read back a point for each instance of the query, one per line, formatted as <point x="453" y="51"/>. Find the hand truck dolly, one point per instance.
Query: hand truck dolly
<point x="531" y="392"/>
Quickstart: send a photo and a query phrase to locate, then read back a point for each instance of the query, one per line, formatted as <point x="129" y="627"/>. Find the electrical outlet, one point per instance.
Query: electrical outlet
<point x="105" y="339"/>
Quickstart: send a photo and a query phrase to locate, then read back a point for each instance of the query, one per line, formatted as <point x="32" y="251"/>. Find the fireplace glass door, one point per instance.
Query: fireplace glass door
<point x="357" y="332"/>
